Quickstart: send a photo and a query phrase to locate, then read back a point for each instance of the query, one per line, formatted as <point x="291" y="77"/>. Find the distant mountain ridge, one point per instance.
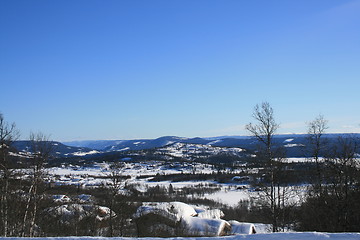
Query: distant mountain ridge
<point x="58" y="149"/>
<point x="294" y="143"/>
<point x="94" y="144"/>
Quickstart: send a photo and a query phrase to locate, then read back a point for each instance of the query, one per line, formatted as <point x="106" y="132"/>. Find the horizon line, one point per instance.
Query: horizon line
<point x="220" y="136"/>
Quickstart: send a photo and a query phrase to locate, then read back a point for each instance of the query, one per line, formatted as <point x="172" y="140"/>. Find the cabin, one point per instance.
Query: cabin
<point x="166" y="219"/>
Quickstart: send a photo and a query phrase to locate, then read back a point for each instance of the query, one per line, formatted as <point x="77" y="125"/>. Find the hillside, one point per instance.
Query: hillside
<point x="293" y="143"/>
<point x="58" y="149"/>
<point x="170" y="147"/>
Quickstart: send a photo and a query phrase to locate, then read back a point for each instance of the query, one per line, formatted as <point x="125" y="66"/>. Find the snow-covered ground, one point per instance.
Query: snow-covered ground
<point x="83" y="153"/>
<point x="186" y="150"/>
<point x="268" y="236"/>
<point x="302" y="160"/>
<point x="230" y="197"/>
<point x="228" y="193"/>
<point x="133" y="169"/>
<point x="97" y="174"/>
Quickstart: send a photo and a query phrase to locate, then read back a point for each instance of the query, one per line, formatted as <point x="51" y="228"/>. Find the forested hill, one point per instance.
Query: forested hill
<point x="295" y="144"/>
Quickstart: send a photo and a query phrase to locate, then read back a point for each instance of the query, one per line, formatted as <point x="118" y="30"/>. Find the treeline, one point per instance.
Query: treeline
<point x="331" y="202"/>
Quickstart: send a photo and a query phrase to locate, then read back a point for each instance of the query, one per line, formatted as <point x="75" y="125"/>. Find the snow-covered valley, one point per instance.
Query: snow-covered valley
<point x="141" y="175"/>
<point x="226" y="186"/>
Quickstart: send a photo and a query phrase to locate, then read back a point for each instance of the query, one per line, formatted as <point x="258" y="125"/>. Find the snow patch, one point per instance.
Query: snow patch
<point x="85" y="153"/>
<point x="214" y="142"/>
<point x="294" y="145"/>
<point x="124" y="149"/>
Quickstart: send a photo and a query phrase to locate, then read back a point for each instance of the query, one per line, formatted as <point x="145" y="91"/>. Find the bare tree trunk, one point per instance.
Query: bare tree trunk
<point x="6" y="206"/>
<point x="2" y="199"/>
<point x="32" y="223"/>
<point x="41" y="152"/>
<point x="111" y="217"/>
<point x="264" y="130"/>
<point x="27" y="208"/>
<point x="8" y="134"/>
<point x="114" y="187"/>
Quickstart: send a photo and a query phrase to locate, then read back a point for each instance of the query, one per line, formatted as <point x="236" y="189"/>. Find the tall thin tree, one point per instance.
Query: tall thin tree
<point x="316" y="147"/>
<point x="114" y="186"/>
<point x="272" y="159"/>
<point x="41" y="150"/>
<point x="8" y="134"/>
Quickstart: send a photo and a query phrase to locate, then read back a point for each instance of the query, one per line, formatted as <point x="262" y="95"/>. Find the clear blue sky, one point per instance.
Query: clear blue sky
<point x="143" y="69"/>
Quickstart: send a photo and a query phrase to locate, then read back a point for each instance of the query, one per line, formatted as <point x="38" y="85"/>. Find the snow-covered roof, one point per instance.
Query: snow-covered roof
<point x="70" y="213"/>
<point x="242" y="227"/>
<point x="206" y="226"/>
<point x="172" y="210"/>
<point x="196" y="221"/>
<point x="209" y="213"/>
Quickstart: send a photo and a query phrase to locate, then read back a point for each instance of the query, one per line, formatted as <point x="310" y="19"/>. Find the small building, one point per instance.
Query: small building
<point x="167" y="219"/>
<point x="242" y="227"/>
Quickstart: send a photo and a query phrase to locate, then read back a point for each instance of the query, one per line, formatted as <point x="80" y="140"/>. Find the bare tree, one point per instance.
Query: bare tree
<point x="114" y="187"/>
<point x="8" y="134"/>
<point x="41" y="150"/>
<point x="265" y="127"/>
<point x="316" y="146"/>
<point x="272" y="158"/>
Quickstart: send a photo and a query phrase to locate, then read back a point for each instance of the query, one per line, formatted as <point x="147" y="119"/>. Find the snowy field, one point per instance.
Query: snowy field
<point x="269" y="236"/>
<point x="97" y="174"/>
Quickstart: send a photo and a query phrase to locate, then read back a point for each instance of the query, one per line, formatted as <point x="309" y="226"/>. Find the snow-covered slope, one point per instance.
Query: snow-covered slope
<point x="94" y="144"/>
<point x="191" y="150"/>
<point x="58" y="149"/>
